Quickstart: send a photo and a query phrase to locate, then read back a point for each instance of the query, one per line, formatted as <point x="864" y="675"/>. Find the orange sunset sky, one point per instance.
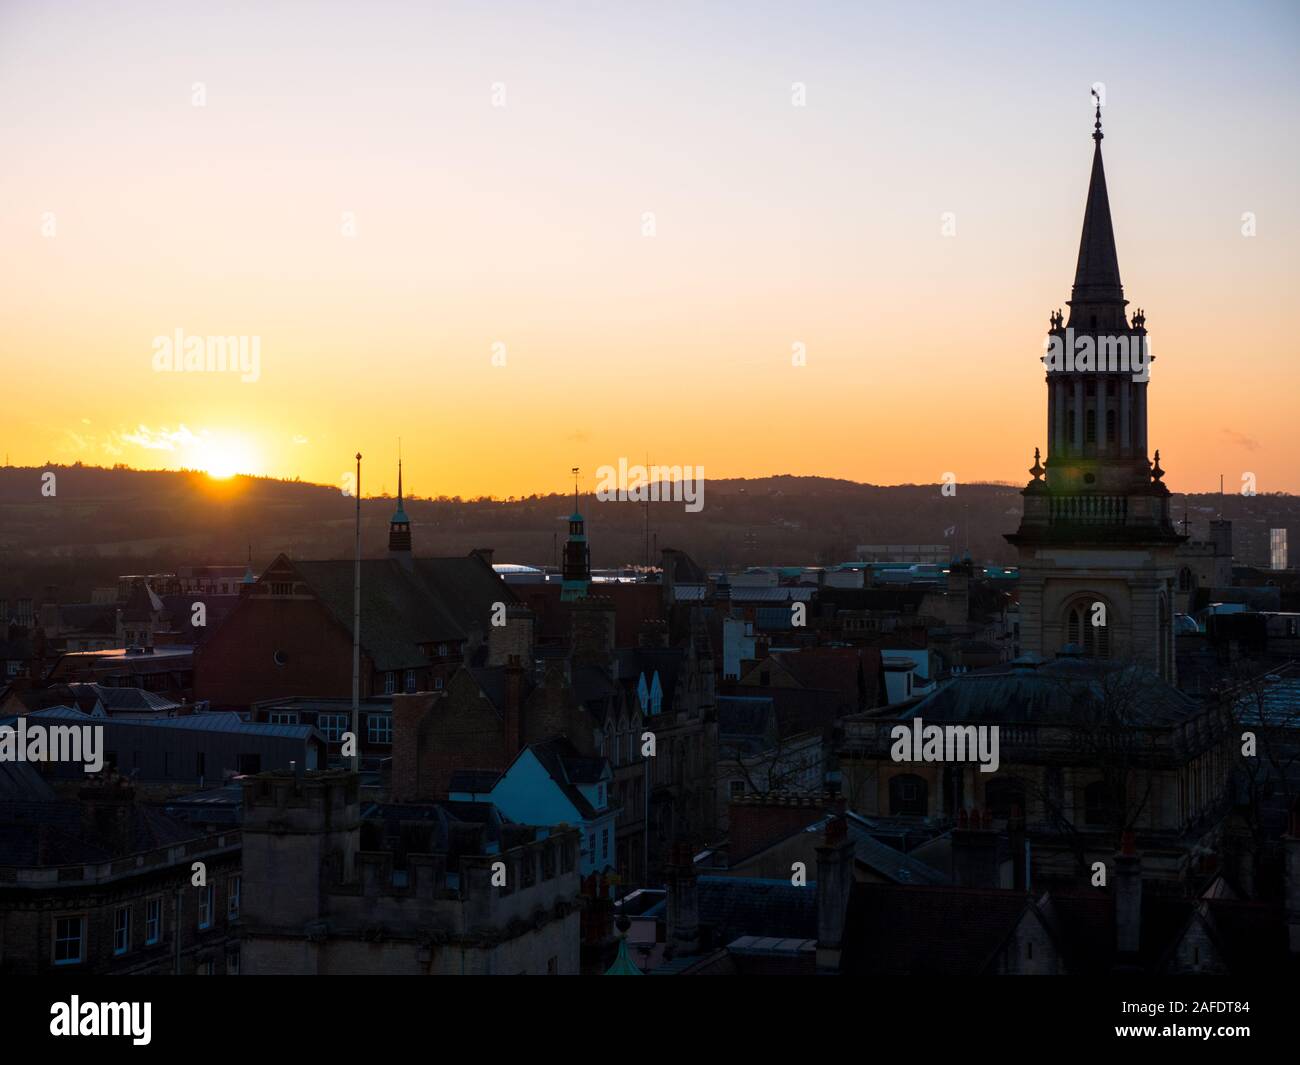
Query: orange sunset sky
<point x="381" y="193"/>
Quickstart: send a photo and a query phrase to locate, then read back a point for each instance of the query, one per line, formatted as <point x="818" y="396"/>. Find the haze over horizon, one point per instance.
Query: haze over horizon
<point x="386" y="205"/>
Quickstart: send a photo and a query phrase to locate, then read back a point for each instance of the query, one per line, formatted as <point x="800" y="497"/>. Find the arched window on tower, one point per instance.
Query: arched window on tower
<point x="1089" y="627"/>
<point x="1185" y="579"/>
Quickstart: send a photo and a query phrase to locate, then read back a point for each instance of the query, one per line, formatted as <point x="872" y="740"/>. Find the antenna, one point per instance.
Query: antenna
<point x="356" y="634"/>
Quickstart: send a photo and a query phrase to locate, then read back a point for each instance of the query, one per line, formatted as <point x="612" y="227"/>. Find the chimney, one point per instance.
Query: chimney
<point x="514" y="729"/>
<point x="1291" y="848"/>
<point x="106" y="814"/>
<point x="757" y="822"/>
<point x="514" y="638"/>
<point x="409" y="712"/>
<point x="592" y="633"/>
<point x="1128" y="898"/>
<point x="974" y="851"/>
<point x="834" y="884"/>
<point x="683" y="901"/>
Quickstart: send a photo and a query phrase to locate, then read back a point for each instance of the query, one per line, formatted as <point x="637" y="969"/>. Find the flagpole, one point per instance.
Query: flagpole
<point x="356" y="635"/>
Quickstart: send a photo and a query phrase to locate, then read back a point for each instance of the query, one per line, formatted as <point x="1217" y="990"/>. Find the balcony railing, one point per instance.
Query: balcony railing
<point x="1088" y="510"/>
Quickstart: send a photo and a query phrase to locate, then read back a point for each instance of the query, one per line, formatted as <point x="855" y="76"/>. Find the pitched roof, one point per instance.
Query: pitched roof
<point x="892" y="929"/>
<point x="1055" y="693"/>
<point x="436" y="600"/>
<point x="567" y="768"/>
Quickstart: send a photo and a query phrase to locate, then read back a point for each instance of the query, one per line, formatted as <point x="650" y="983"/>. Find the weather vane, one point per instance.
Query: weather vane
<point x="1097" y="134"/>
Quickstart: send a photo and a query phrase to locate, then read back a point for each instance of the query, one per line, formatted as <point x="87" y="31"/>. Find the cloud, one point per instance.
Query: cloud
<point x="1242" y="440"/>
<point x="159" y="440"/>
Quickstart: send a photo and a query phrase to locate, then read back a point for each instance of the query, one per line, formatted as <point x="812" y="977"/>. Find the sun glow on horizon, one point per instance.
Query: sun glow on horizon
<point x="221" y="457"/>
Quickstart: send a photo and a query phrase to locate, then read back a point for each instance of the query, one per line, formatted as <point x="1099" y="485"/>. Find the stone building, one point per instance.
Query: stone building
<point x="105" y="885"/>
<point x="406" y="890"/>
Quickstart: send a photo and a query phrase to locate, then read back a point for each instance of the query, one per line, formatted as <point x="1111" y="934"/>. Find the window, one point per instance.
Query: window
<point x="204" y="968"/>
<point x="908" y="794"/>
<point x="1090" y="427"/>
<point x="232" y="961"/>
<point x="282" y="588"/>
<point x="390" y="682"/>
<point x="437" y="684"/>
<point x="152" y="922"/>
<point x="69" y="940"/>
<point x="591" y="845"/>
<point x="1098" y="808"/>
<point x="410" y="680"/>
<point x="442" y="650"/>
<point x="332" y="726"/>
<point x="604" y="844"/>
<point x="232" y="898"/>
<point x="205" y="907"/>
<point x="1110" y="427"/>
<point x="121" y="929"/>
<point x="380" y="728"/>
<point x="1001" y="796"/>
<point x="737" y="789"/>
<point x="283" y="717"/>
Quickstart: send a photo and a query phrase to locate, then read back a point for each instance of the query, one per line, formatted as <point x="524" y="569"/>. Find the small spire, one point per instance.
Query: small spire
<point x="1037" y="469"/>
<point x="1096" y="129"/>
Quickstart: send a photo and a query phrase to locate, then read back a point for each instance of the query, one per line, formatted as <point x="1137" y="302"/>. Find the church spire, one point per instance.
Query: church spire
<point x="1096" y="278"/>
<point x="399" y="525"/>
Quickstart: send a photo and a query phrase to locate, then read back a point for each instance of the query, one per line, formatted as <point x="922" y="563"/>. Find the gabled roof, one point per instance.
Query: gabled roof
<point x="567" y="768"/>
<point x="435" y="600"/>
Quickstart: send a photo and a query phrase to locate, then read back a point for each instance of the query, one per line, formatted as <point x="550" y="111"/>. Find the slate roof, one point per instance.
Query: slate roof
<point x="1053" y="693"/>
<point x="437" y="600"/>
<point x="923" y="930"/>
<point x="745" y="723"/>
<point x="119" y="699"/>
<point x="732" y="907"/>
<point x="54" y="833"/>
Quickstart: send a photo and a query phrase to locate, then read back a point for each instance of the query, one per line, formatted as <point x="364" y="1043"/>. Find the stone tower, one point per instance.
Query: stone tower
<point x="1096" y="541"/>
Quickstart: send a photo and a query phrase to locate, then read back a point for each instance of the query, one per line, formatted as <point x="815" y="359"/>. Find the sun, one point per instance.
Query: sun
<point x="222" y="457"/>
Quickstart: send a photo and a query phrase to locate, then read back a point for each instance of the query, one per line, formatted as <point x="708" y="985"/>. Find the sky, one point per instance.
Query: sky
<point x="524" y="237"/>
